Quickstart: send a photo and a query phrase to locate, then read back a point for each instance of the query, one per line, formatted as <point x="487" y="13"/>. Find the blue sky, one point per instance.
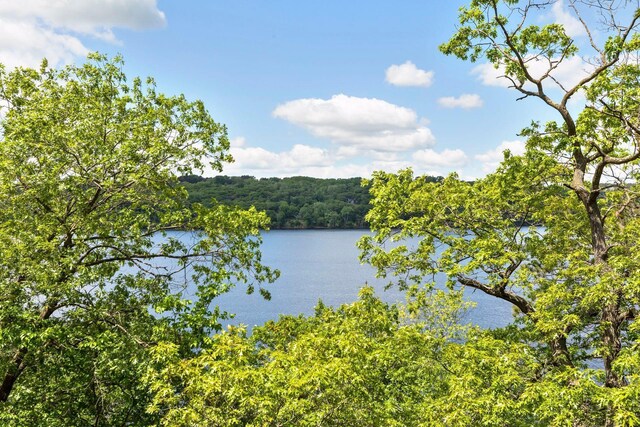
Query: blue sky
<point x="326" y="89"/>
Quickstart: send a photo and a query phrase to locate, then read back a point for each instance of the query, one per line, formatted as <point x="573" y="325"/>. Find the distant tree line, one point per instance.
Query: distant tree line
<point x="296" y="202"/>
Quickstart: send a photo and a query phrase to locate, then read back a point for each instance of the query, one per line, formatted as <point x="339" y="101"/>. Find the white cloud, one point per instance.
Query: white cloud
<point x="258" y="158"/>
<point x="362" y="124"/>
<point x="572" y="25"/>
<point x="346" y="152"/>
<point x="22" y="43"/>
<point x="445" y="159"/>
<point x="568" y="73"/>
<point x="490" y="75"/>
<point x="351" y="170"/>
<point x="238" y="142"/>
<point x="408" y="74"/>
<point x="465" y="101"/>
<point x="305" y="160"/>
<point x="33" y="29"/>
<point x="492" y="158"/>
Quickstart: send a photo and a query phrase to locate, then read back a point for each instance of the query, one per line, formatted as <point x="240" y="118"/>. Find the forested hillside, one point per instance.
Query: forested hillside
<point x="297" y="202"/>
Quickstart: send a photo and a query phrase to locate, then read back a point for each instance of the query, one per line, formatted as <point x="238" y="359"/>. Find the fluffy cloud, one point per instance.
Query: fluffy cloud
<point x="299" y="156"/>
<point x="33" y="29"/>
<point x="572" y="25"/>
<point x="23" y="43"/>
<point x="465" y="101"/>
<point x="408" y="74"/>
<point x="490" y="75"/>
<point x="445" y="159"/>
<point x="362" y="124"/>
<point x="569" y="72"/>
<point x="305" y="160"/>
<point x="492" y="158"/>
<point x="317" y="162"/>
<point x="350" y="170"/>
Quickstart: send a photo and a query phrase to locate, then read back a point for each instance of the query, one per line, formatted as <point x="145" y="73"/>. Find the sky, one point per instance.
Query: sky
<point x="330" y="89"/>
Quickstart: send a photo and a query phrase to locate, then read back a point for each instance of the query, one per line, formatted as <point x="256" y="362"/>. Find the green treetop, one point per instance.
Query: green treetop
<point x="573" y="278"/>
<point x="88" y="182"/>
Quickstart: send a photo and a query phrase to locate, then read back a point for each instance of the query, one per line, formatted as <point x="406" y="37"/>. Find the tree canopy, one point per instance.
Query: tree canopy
<point x="89" y="167"/>
<point x="573" y="278"/>
<point x="366" y="363"/>
<point x="96" y="327"/>
<point x="295" y="202"/>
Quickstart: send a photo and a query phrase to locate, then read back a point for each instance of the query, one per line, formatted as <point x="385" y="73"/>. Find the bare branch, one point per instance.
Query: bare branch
<point x="525" y="306"/>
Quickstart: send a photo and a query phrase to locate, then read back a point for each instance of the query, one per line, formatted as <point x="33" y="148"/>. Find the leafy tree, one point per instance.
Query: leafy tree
<point x="573" y="277"/>
<point x="88" y="185"/>
<point x="366" y="363"/>
<point x="296" y="202"/>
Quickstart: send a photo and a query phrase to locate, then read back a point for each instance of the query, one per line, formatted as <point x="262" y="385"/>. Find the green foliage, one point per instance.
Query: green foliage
<point x="497" y="30"/>
<point x="296" y="202"/>
<point x="88" y="183"/>
<point x="369" y="363"/>
<point x="88" y="179"/>
<point x="554" y="232"/>
<point x="476" y="234"/>
<point x="365" y="363"/>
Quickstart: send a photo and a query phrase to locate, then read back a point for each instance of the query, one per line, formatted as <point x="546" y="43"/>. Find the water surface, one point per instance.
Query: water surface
<point x="323" y="264"/>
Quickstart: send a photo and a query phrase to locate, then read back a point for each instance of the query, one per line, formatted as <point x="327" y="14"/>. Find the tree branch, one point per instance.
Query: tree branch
<point x="525" y="306"/>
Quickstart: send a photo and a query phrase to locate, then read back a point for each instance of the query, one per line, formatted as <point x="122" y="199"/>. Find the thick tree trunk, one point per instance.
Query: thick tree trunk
<point x="14" y="370"/>
<point x="18" y="364"/>
<point x="612" y="344"/>
<point x="560" y="353"/>
<point x="610" y="312"/>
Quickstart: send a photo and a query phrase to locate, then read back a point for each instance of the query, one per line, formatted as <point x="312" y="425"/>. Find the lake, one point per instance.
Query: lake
<point x="323" y="264"/>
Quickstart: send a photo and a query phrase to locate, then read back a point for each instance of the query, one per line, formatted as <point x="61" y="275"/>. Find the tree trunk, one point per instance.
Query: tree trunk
<point x="14" y="370"/>
<point x="17" y="364"/>
<point x="610" y="312"/>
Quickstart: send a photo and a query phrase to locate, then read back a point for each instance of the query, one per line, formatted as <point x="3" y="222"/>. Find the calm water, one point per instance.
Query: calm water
<point x="323" y="264"/>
